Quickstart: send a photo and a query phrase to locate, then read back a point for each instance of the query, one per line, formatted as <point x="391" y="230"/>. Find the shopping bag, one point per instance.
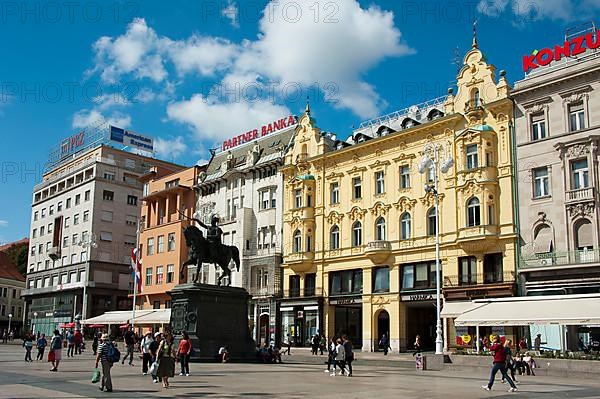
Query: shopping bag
<point x="51" y="355"/>
<point x="95" y="376"/>
<point x="153" y="368"/>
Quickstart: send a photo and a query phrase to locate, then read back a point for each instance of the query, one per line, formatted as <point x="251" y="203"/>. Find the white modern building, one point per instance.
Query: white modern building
<point x="243" y="187"/>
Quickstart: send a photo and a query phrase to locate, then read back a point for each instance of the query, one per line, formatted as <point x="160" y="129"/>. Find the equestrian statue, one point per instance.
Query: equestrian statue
<point x="209" y="249"/>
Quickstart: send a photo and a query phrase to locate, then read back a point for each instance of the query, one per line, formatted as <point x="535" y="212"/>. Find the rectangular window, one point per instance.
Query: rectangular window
<point x="75" y="219"/>
<point x="294" y="282"/>
<point x="59" y="207"/>
<point x="492" y="268"/>
<point x="335" y="193"/>
<point x="273" y="199"/>
<point x="579" y="174"/>
<point x="379" y="182"/>
<point x="346" y="282"/>
<point x="65" y="242"/>
<point x="68" y="203"/>
<point x="357" y="188"/>
<point x="310" y="284"/>
<point x="109" y="176"/>
<point x="150" y="246"/>
<point x="86" y="196"/>
<point x="132" y="200"/>
<point x="467" y="270"/>
<point x="148" y="276"/>
<point x="106" y="216"/>
<point x="50" y="228"/>
<point x="42" y="230"/>
<point x="159" y="275"/>
<point x="264" y="202"/>
<point x="576" y="116"/>
<point x="161" y="246"/>
<point x="538" y="126"/>
<point x="541" y="182"/>
<point x="77" y="199"/>
<point x="171" y="242"/>
<point x="298" y="198"/>
<point x="472" y="161"/>
<point x="170" y="273"/>
<point x="34" y="233"/>
<point x="404" y="176"/>
<point x="51" y="210"/>
<point x="73" y="258"/>
<point x="43" y="213"/>
<point x="67" y="221"/>
<point x="75" y="239"/>
<point x="108" y="195"/>
<point x="86" y="216"/>
<point x="35" y="216"/>
<point x="381" y="282"/>
<point x="156" y="305"/>
<point x="106" y="236"/>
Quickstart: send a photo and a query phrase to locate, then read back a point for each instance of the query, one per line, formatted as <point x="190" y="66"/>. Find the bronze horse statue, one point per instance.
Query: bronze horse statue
<point x="199" y="252"/>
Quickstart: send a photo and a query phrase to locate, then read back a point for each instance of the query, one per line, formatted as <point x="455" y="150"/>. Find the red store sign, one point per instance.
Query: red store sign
<point x="569" y="48"/>
<point x="250" y="135"/>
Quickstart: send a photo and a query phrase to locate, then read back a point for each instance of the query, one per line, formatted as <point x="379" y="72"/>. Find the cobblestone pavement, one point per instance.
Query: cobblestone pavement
<point x="301" y="376"/>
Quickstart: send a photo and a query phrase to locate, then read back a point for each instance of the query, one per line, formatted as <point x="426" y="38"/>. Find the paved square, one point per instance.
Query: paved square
<point x="301" y="376"/>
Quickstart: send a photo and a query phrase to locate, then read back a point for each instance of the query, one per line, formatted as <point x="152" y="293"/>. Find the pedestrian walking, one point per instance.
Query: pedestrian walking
<point x="384" y="344"/>
<point x="28" y="345"/>
<point x="154" y="352"/>
<point x="145" y="344"/>
<point x="523" y="344"/>
<point x="4" y="336"/>
<point x="314" y="344"/>
<point x="499" y="365"/>
<point x="102" y="358"/>
<point x="288" y="344"/>
<point x="510" y="361"/>
<point x="323" y="344"/>
<point x="166" y="360"/>
<point x="55" y="354"/>
<point x="70" y="343"/>
<point x="95" y="342"/>
<point x="537" y="342"/>
<point x="330" y="355"/>
<point x="78" y="341"/>
<point x="349" y="354"/>
<point x="417" y="345"/>
<point x="41" y="346"/>
<point x="130" y="345"/>
<point x="340" y="356"/>
<point x="183" y="353"/>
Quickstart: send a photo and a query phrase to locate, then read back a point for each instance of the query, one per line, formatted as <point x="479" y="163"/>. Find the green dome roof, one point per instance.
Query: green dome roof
<point x="306" y="177"/>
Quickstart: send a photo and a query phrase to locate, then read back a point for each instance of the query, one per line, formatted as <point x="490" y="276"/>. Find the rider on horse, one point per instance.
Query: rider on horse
<point x="213" y="235"/>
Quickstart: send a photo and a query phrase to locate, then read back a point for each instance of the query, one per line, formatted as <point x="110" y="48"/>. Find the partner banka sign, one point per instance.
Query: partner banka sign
<point x="275" y="126"/>
<point x="570" y="48"/>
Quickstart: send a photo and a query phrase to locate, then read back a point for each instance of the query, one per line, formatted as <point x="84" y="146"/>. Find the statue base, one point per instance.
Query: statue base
<point x="213" y="316"/>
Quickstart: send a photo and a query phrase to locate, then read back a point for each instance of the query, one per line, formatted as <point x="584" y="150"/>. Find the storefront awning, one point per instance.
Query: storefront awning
<point x="142" y="317"/>
<point x="455" y="309"/>
<point x="558" y="309"/>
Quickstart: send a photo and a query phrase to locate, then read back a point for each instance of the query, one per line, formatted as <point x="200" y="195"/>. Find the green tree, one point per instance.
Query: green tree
<point x="18" y="255"/>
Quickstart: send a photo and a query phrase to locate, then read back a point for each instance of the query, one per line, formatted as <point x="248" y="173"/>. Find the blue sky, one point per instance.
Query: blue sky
<point x="192" y="73"/>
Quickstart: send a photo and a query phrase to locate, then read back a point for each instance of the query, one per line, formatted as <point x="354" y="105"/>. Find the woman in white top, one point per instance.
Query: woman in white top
<point x="340" y="357"/>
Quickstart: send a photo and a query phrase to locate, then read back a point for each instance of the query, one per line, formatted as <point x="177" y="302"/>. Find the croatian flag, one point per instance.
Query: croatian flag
<point x="136" y="268"/>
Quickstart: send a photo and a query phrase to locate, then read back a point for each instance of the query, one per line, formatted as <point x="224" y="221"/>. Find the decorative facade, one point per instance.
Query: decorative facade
<point x="359" y="227"/>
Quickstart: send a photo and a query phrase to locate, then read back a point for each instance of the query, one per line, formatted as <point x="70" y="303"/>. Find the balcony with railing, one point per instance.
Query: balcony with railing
<point x="477" y="232"/>
<point x="265" y="291"/>
<point x="579" y="195"/>
<point x="541" y="261"/>
<point x="378" y="251"/>
<point x="480" y="285"/>
<point x="474" y="106"/>
<point x="308" y="292"/>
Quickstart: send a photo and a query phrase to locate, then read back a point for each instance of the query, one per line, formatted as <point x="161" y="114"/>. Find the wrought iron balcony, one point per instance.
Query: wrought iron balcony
<point x="378" y="251"/>
<point x="551" y="259"/>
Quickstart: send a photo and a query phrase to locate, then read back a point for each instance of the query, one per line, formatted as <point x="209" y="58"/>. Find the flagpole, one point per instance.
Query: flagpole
<point x="135" y="271"/>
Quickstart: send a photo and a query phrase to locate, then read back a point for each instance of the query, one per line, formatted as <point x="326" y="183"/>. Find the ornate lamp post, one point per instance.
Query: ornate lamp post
<point x="88" y="243"/>
<point x="10" y="316"/>
<point x="431" y="161"/>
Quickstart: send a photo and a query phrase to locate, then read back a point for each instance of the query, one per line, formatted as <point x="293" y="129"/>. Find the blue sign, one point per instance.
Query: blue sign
<point x="131" y="139"/>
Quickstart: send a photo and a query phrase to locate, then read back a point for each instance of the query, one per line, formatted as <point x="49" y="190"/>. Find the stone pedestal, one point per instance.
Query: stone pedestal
<point x="214" y="317"/>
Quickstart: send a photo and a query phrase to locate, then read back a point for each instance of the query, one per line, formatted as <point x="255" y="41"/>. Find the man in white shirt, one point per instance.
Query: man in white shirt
<point x="146" y="353"/>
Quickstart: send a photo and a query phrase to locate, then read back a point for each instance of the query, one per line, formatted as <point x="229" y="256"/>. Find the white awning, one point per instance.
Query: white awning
<point x="149" y="316"/>
<point x="558" y="309"/>
<point x="455" y="309"/>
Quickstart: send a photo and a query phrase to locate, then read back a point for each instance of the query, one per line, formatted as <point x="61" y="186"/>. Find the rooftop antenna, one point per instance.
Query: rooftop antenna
<point x="474" y="33"/>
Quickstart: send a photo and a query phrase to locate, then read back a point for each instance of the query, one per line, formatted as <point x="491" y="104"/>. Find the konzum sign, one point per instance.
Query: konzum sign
<point x="569" y="48"/>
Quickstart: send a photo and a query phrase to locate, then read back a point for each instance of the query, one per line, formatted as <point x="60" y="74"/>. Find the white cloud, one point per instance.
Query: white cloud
<point x="203" y="55"/>
<point x="231" y="12"/>
<point x="3" y="223"/>
<point x="147" y="95"/>
<point x="87" y="117"/>
<point x="214" y="120"/>
<point x="532" y="10"/>
<point x="110" y="100"/>
<point x="170" y="148"/>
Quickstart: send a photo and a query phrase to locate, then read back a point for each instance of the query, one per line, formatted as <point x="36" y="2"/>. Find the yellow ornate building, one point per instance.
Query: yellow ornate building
<point x="359" y="227"/>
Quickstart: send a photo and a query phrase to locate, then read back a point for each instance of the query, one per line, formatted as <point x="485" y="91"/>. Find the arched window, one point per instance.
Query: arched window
<point x="405" y="226"/>
<point x="380" y="229"/>
<point x="473" y="212"/>
<point x="356" y="234"/>
<point x="335" y="238"/>
<point x="431" y="225"/>
<point x="584" y="235"/>
<point x="542" y="239"/>
<point x="475" y="98"/>
<point x="297" y="241"/>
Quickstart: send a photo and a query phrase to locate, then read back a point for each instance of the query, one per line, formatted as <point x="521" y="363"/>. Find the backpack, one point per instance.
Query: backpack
<point x="56" y="342"/>
<point x="113" y="354"/>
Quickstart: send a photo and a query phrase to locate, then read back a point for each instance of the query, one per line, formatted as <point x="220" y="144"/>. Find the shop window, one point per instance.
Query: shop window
<point x="418" y="275"/>
<point x="467" y="270"/>
<point x="381" y="279"/>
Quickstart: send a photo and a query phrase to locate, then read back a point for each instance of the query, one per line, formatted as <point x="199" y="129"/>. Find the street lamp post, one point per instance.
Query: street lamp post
<point x="10" y="316"/>
<point x="35" y="315"/>
<point x="88" y="243"/>
<point x="431" y="160"/>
